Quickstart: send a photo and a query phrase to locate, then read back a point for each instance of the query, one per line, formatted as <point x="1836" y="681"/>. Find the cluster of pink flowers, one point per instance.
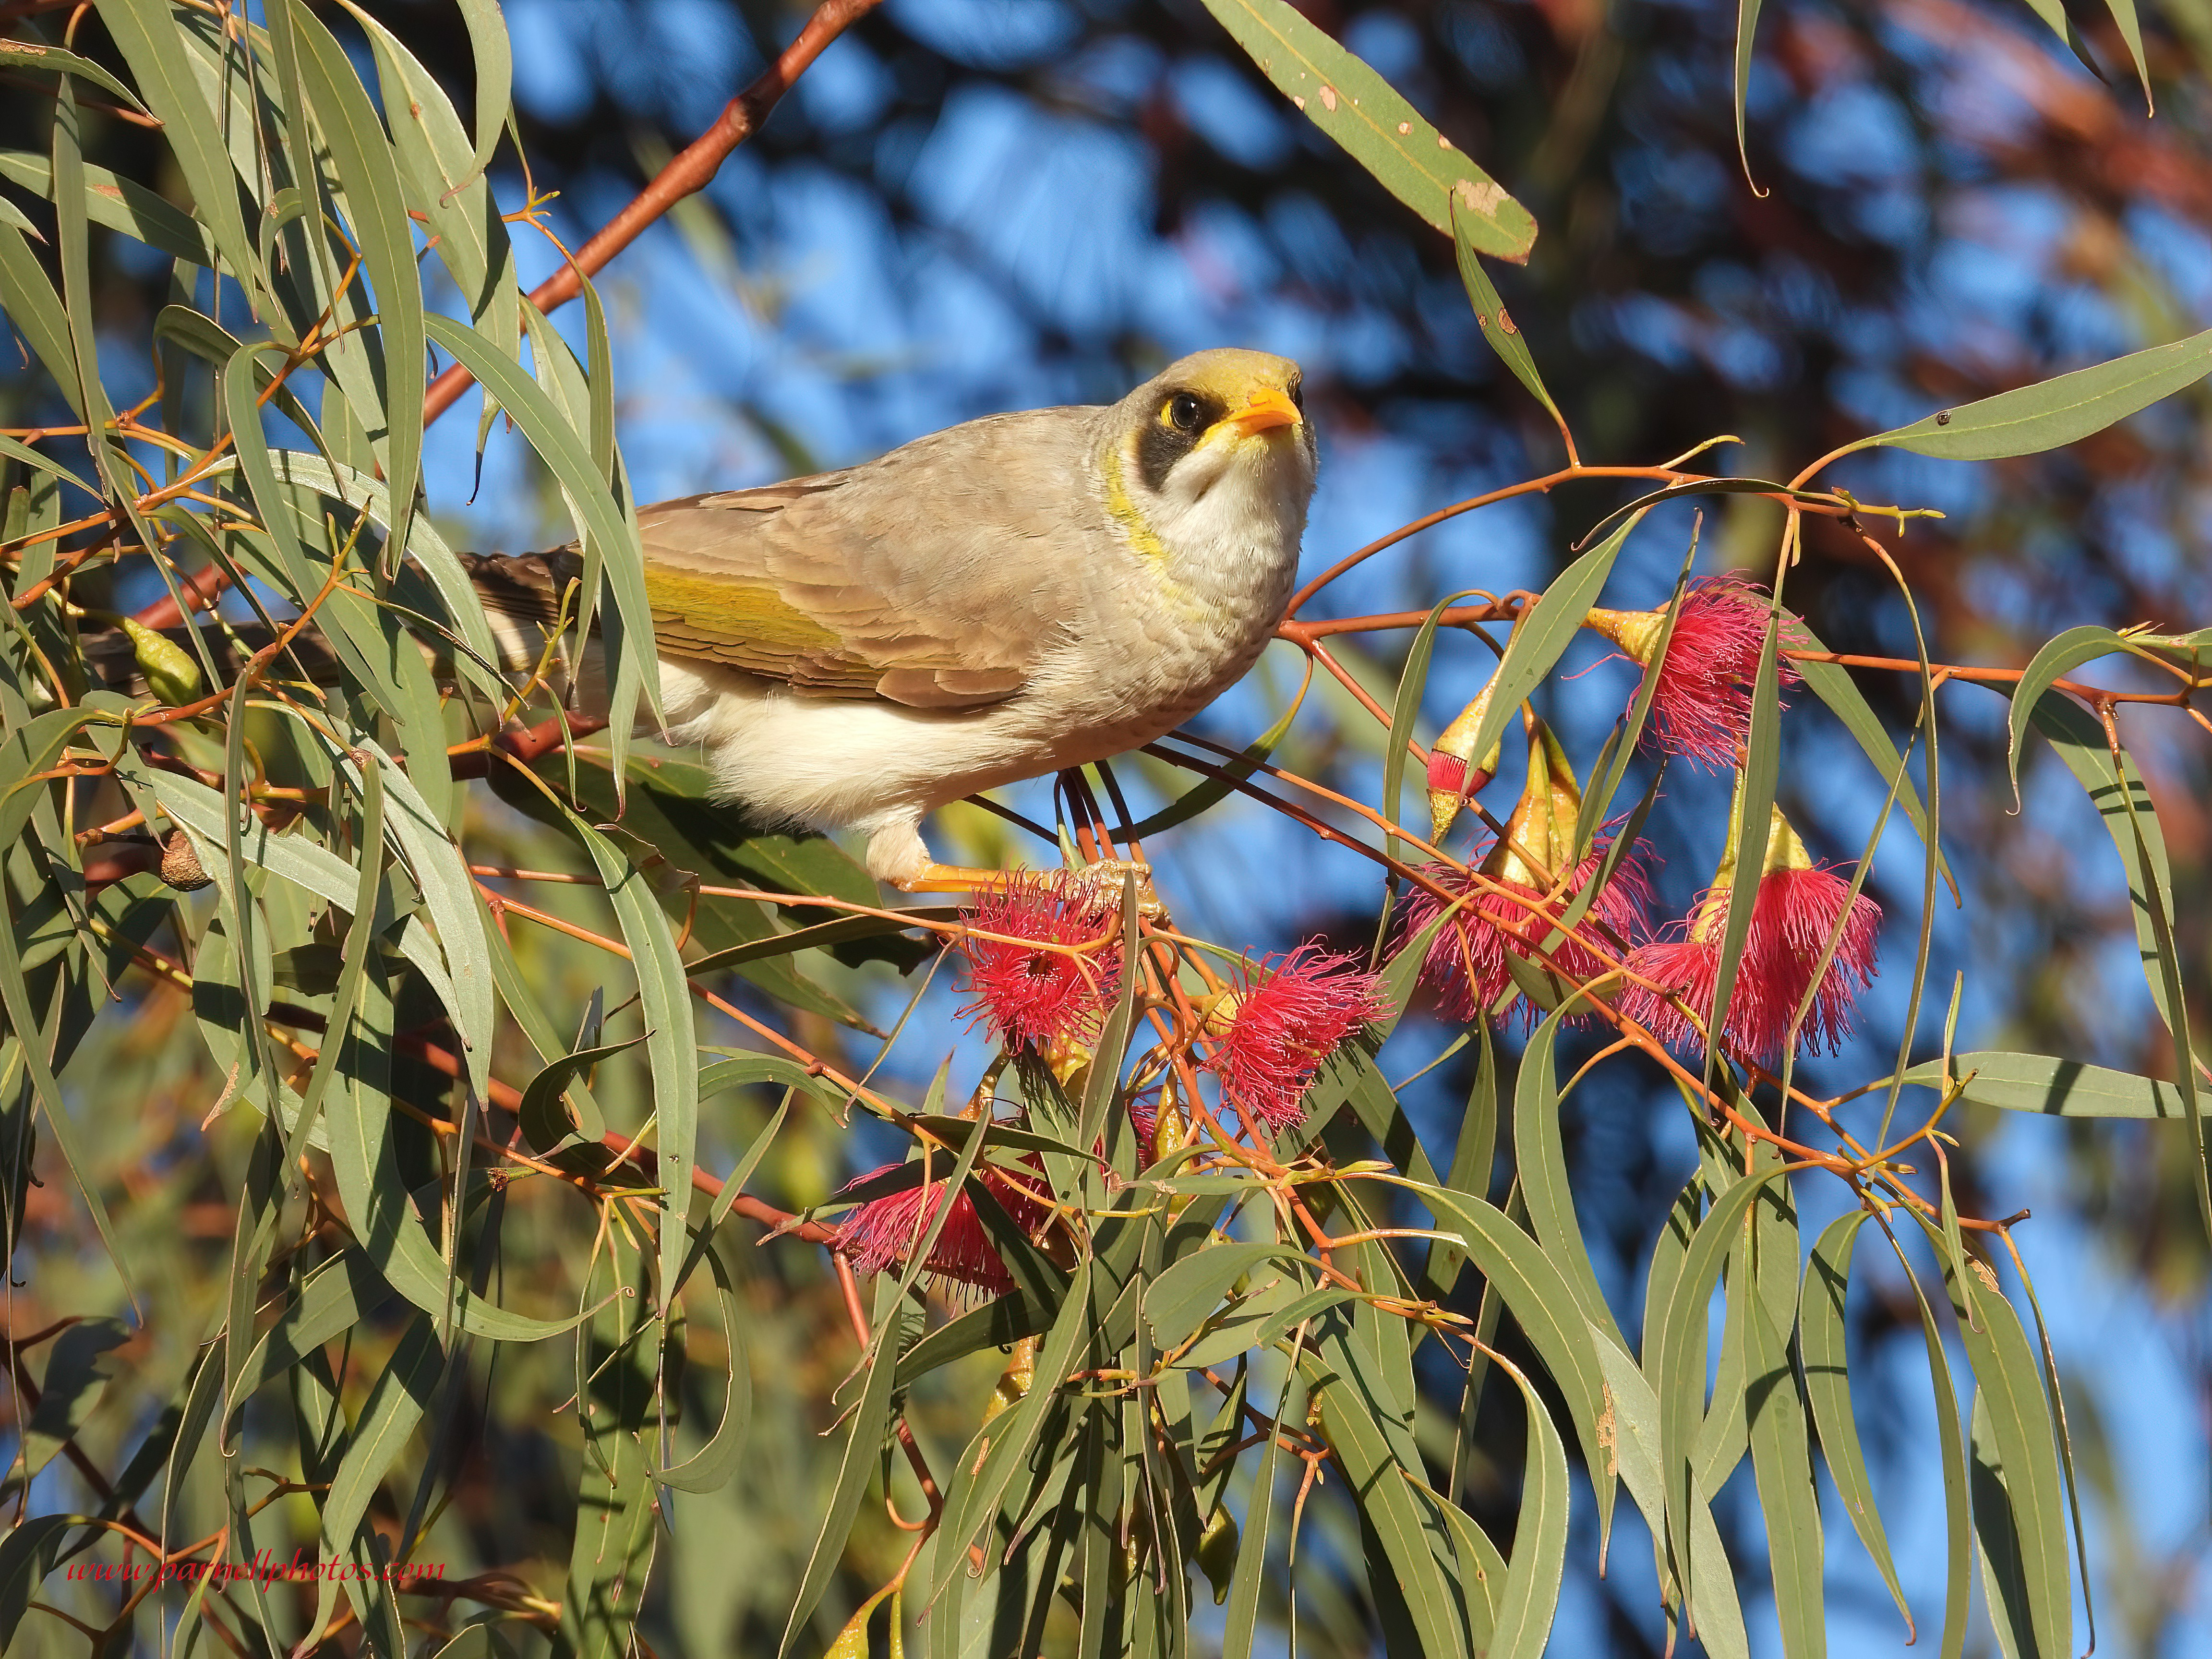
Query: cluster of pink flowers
<point x="1046" y="978"/>
<point x="1268" y="1034"/>
<point x="1798" y="907"/>
<point x="1278" y="1023"/>
<point x="1513" y="899"/>
<point x="1701" y="709"/>
<point x="1044" y="960"/>
<point x="885" y="1231"/>
<point x="1465" y="962"/>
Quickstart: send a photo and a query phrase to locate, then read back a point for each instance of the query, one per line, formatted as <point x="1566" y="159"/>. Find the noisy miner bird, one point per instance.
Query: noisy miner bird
<point x="992" y="602"/>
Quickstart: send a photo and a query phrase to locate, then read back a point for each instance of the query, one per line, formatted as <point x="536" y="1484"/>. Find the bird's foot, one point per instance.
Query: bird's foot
<point x="1104" y="883"/>
<point x="1100" y="885"/>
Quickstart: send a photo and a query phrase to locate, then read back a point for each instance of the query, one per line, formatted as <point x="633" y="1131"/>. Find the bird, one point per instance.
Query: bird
<point x="1003" y="598"/>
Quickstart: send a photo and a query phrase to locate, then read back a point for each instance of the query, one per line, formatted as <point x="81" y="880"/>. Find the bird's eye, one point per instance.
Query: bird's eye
<point x="1184" y="412"/>
<point x="1299" y="396"/>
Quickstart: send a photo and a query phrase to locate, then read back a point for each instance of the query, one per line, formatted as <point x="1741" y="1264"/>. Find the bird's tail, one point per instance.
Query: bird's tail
<point x="523" y="596"/>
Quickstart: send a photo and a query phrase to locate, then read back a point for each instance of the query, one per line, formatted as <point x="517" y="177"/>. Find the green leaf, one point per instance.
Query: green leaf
<point x="1750" y="822"/>
<point x="70" y="245"/>
<point x="712" y="1466"/>
<point x="1634" y="1428"/>
<point x="1259" y="1321"/>
<point x="2031" y="419"/>
<point x="570" y="460"/>
<point x="1473" y="1157"/>
<point x="819" y="936"/>
<point x="495" y="61"/>
<point x="972" y="1500"/>
<point x="36" y="57"/>
<point x="1832" y="683"/>
<point x="1782" y="1460"/>
<point x="1482" y="1570"/>
<point x="119" y="203"/>
<point x="397" y="1400"/>
<point x="1350" y="1077"/>
<point x="2057" y="1088"/>
<point x="616" y="1401"/>
<point x="2057" y="657"/>
<point x="1679" y="1381"/>
<point x="377" y="209"/>
<point x="2019" y="1504"/>
<point x="28" y="1553"/>
<point x="1541" y="1158"/>
<point x="1102" y="1086"/>
<point x="1545" y="633"/>
<point x="870" y="1422"/>
<point x="441" y="872"/>
<point x="1828" y="1391"/>
<point x="1530" y="1594"/>
<point x="197" y="808"/>
<point x="1498" y="328"/>
<point x="1210" y="791"/>
<point x="1380" y="1490"/>
<point x="1378" y="128"/>
<point x="1746" y="28"/>
<point x="998" y="1323"/>
<point x="1544" y="1303"/>
<point x="547" y="1123"/>
<point x="35" y="312"/>
<point x="333" y="1297"/>
<point x="2130" y="819"/>
<point x="1405" y="708"/>
<point x="1241" y="1625"/>
<point x="78" y="1369"/>
<point x="365" y="1162"/>
<point x="145" y="32"/>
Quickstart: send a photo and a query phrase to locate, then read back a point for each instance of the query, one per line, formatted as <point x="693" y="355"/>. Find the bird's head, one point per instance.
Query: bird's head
<point x="1213" y="449"/>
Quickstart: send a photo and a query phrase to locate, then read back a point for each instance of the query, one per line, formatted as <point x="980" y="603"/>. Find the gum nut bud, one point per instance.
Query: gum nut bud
<point x="171" y="674"/>
<point x="1636" y="632"/>
<point x="180" y="863"/>
<point x="1454" y="770"/>
<point x="1217" y="1013"/>
<point x="1217" y="1551"/>
<point x="1013" y="1384"/>
<point x="1170" y="1129"/>
<point x="1451" y="784"/>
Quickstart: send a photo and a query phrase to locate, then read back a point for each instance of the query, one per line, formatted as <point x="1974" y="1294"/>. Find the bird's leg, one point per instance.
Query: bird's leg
<point x="1100" y="883"/>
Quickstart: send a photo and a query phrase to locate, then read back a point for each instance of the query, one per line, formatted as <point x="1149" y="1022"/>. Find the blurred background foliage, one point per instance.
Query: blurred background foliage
<point x="971" y="205"/>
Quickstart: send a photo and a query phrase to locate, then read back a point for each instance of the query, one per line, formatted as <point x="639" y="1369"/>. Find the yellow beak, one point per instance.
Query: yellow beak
<point x="1264" y="410"/>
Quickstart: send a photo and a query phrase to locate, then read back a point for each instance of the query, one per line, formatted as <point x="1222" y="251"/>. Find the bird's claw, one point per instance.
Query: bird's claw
<point x="1102" y="886"/>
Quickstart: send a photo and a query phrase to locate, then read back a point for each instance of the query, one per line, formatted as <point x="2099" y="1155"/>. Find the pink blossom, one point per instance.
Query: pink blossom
<point x="1028" y="995"/>
<point x="1466" y="961"/>
<point x="1795" y="910"/>
<point x="885" y="1231"/>
<point x="1702" y="709"/>
<point x="1284" y="1021"/>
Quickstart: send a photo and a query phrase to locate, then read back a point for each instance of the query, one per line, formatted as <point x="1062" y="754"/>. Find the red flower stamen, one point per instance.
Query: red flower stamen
<point x="884" y="1231"/>
<point x="1284" y="1021"/>
<point x="1466" y="962"/>
<point x="1028" y="995"/>
<point x="1794" y="913"/>
<point x="1702" y="709"/>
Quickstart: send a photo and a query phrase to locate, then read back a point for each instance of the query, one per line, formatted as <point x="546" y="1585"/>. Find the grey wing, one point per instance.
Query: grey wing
<point x="936" y="576"/>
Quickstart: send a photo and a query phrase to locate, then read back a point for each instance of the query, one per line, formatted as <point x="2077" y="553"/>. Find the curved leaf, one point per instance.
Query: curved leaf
<point x="1828" y="1390"/>
<point x="1378" y="128"/>
<point x="1545" y="633"/>
<point x="2068" y="651"/>
<point x="2031" y="419"/>
<point x="2057" y="1088"/>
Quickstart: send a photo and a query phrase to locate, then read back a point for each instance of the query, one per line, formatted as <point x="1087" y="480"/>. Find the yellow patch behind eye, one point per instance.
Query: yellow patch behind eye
<point x="1123" y="507"/>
